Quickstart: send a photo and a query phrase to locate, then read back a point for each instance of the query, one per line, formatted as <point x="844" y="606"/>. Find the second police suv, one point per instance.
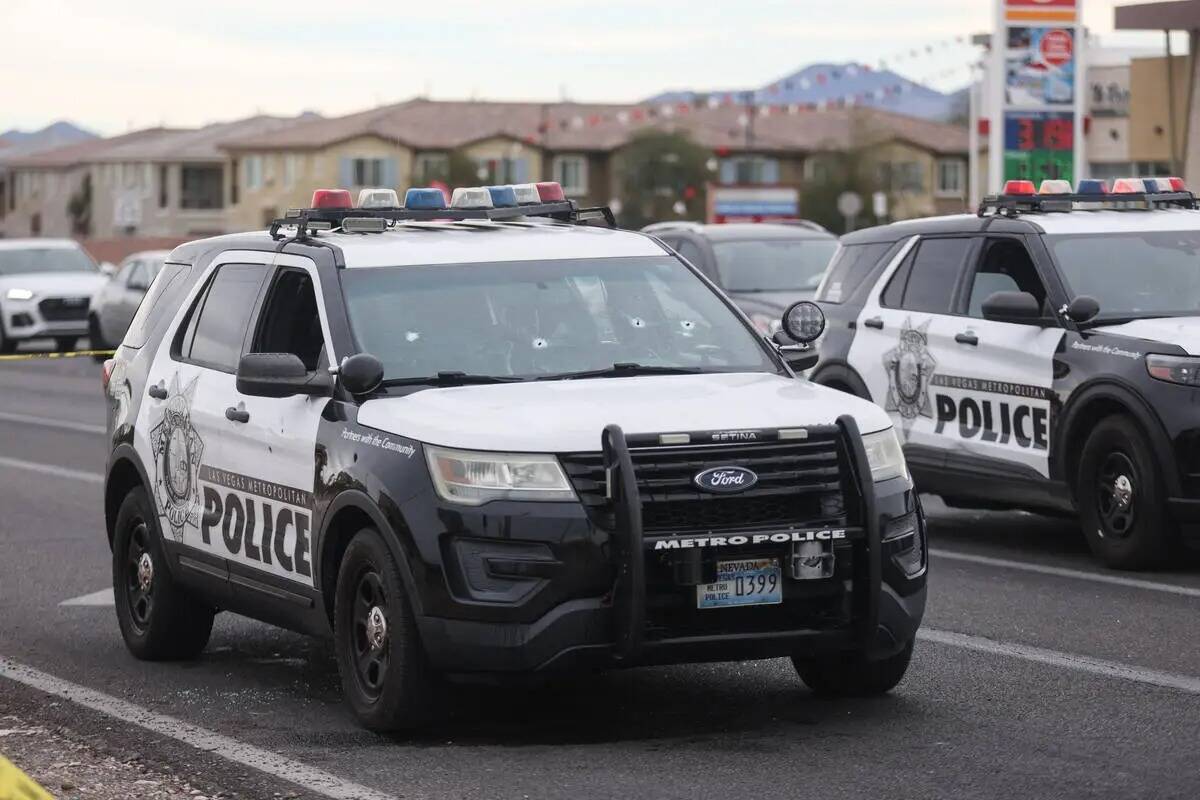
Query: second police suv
<point x="1042" y="354"/>
<point x="495" y="438"/>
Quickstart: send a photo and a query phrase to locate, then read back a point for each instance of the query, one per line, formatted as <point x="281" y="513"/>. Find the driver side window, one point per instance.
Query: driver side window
<point x="1004" y="266"/>
<point x="290" y="322"/>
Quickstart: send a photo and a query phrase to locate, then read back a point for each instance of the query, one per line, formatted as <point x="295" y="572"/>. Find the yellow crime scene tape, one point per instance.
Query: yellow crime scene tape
<point x="16" y="785"/>
<point x="74" y="354"/>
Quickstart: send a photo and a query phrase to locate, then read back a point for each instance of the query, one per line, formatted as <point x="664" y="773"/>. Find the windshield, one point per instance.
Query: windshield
<point x="44" y="259"/>
<point x="531" y="319"/>
<point x="1154" y="273"/>
<point x="773" y="265"/>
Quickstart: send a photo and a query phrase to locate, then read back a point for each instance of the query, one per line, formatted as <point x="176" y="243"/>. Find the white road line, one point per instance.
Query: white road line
<point x="1063" y="572"/>
<point x="1095" y="666"/>
<point x="303" y="775"/>
<point x="104" y="597"/>
<point x="51" y="469"/>
<point x="49" y="422"/>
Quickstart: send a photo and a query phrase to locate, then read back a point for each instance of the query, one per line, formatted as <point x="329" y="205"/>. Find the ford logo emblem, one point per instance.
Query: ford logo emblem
<point x="725" y="480"/>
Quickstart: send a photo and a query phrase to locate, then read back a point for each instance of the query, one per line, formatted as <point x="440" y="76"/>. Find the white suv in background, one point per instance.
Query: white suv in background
<point x="45" y="288"/>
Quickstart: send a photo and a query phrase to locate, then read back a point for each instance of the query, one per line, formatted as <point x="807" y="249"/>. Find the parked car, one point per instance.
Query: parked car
<point x="764" y="267"/>
<point x="117" y="300"/>
<point x="45" y="288"/>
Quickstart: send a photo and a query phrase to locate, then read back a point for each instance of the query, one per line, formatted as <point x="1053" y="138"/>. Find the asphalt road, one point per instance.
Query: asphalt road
<point x="1040" y="674"/>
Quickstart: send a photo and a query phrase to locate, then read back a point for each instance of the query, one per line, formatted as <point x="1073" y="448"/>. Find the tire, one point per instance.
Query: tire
<point x="65" y="344"/>
<point x="1122" y="501"/>
<point x="386" y="677"/>
<point x="159" y="620"/>
<point x="7" y="346"/>
<point x="852" y="674"/>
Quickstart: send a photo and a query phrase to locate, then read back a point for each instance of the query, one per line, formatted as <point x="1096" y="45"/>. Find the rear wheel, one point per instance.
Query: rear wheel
<point x="158" y="619"/>
<point x="386" y="677"/>
<point x="852" y="674"/>
<point x="1121" y="497"/>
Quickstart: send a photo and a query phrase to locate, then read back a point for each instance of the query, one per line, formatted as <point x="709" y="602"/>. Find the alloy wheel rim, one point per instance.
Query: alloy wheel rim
<point x="139" y="577"/>
<point x="370" y="636"/>
<point x="1116" y="495"/>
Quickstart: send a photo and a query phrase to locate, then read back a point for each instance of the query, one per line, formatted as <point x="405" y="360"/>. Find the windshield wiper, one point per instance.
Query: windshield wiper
<point x="451" y="378"/>
<point x="620" y="370"/>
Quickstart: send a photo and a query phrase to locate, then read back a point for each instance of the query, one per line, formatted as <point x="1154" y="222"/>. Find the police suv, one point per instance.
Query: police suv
<point x="495" y="438"/>
<point x="1041" y="354"/>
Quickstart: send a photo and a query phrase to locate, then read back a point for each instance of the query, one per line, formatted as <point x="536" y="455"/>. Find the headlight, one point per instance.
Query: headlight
<point x="472" y="478"/>
<point x="1174" y="369"/>
<point x="884" y="455"/>
<point x="19" y="294"/>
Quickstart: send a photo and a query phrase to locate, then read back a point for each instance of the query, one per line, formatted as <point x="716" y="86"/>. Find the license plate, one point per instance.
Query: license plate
<point x="749" y="582"/>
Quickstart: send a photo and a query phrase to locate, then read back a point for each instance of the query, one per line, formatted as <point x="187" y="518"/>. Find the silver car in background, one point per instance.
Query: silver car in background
<point x="45" y="289"/>
<point x="117" y="300"/>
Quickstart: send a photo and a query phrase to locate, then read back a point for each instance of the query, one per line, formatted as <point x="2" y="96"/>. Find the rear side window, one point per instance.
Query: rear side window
<point x="161" y="299"/>
<point x="926" y="282"/>
<point x="216" y="327"/>
<point x="850" y="266"/>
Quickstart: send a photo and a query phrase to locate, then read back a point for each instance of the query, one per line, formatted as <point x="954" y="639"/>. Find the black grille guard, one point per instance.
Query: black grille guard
<point x="629" y="589"/>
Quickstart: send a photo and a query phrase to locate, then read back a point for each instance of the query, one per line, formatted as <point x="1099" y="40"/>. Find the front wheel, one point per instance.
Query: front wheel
<point x="1122" y="502"/>
<point x="386" y="677"/>
<point x="8" y="346"/>
<point x="159" y="620"/>
<point x="65" y="344"/>
<point x="852" y="674"/>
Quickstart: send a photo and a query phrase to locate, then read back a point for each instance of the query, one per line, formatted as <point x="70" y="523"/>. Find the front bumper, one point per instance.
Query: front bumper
<point x="44" y="317"/>
<point x="632" y="615"/>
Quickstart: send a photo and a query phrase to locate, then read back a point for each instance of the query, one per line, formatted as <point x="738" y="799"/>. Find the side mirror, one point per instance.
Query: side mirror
<point x="279" y="375"/>
<point x="1083" y="308"/>
<point x="804" y="322"/>
<point x="1019" y="307"/>
<point x="361" y="373"/>
<point x="108" y="268"/>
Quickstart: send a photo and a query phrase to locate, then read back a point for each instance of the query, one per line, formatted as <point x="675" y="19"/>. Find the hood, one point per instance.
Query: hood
<point x="568" y="416"/>
<point x="1181" y="331"/>
<point x="53" y="284"/>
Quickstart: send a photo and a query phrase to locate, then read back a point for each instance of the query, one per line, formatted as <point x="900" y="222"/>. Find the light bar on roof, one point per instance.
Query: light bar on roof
<point x="331" y="198"/>
<point x="1052" y="186"/>
<point x="378" y="198"/>
<point x="1128" y="186"/>
<point x="471" y="197"/>
<point x="1018" y="188"/>
<point x="527" y="194"/>
<point x="424" y="199"/>
<point x="550" y="192"/>
<point x="1092" y="186"/>
<point x="502" y="196"/>
<point x="1176" y="184"/>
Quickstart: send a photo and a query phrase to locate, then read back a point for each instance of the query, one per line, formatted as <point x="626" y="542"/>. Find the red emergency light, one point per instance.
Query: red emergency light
<point x="550" y="192"/>
<point x="1018" y="187"/>
<point x="332" y="198"/>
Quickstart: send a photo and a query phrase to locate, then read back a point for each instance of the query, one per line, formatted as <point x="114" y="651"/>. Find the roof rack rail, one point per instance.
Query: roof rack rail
<point x="1010" y="205"/>
<point x="311" y="220"/>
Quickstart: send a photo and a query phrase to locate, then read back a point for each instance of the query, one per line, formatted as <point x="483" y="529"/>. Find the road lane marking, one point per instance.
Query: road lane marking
<point x="51" y="469"/>
<point x="1072" y="661"/>
<point x="104" y="597"/>
<point x="49" y="422"/>
<point x="303" y="775"/>
<point x="1064" y="572"/>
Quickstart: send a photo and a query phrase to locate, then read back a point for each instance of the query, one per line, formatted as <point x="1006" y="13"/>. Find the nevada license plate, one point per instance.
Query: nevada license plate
<point x="749" y="582"/>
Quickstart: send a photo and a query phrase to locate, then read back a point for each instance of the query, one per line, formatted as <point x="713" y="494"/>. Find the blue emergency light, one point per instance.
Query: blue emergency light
<point x="502" y="196"/>
<point x="432" y="199"/>
<point x="1092" y="186"/>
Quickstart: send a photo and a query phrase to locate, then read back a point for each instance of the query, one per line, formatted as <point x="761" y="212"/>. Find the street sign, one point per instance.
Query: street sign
<point x="849" y="205"/>
<point x="879" y="205"/>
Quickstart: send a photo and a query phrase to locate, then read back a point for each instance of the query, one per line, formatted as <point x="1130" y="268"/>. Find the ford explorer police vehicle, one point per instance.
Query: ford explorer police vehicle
<point x="495" y="438"/>
<point x="1041" y="354"/>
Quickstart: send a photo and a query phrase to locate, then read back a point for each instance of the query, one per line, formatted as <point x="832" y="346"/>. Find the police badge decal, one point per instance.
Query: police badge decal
<point x="909" y="367"/>
<point x="177" y="448"/>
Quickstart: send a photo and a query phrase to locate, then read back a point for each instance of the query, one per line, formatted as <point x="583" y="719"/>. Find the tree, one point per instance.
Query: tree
<point x="79" y="207"/>
<point x="661" y="173"/>
<point x="852" y="165"/>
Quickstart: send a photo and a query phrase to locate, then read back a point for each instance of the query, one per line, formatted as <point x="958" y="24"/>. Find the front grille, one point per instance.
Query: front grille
<point x="800" y="482"/>
<point x="64" y="309"/>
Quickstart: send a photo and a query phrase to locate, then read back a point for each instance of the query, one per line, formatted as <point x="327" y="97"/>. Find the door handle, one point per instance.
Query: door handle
<point x="966" y="338"/>
<point x="237" y="414"/>
<point x="157" y="392"/>
<point x="874" y="322"/>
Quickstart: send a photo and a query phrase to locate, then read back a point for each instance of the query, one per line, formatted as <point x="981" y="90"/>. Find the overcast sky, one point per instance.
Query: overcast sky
<point x="116" y="65"/>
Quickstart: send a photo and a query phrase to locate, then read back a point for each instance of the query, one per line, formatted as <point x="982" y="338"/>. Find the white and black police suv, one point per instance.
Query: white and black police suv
<point x="1041" y="354"/>
<point x="495" y="438"/>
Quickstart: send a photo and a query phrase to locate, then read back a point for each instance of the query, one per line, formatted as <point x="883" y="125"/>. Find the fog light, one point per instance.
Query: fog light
<point x="21" y="320"/>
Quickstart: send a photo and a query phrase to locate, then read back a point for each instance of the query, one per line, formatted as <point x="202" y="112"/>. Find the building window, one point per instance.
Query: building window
<point x="951" y="177"/>
<point x="253" y="177"/>
<point x="163" y="195"/>
<point x="502" y="170"/>
<point x="572" y="173"/>
<point x="901" y="176"/>
<point x="368" y="172"/>
<point x="289" y="170"/>
<point x="750" y="170"/>
<point x="430" y="167"/>
<point x="201" y="187"/>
